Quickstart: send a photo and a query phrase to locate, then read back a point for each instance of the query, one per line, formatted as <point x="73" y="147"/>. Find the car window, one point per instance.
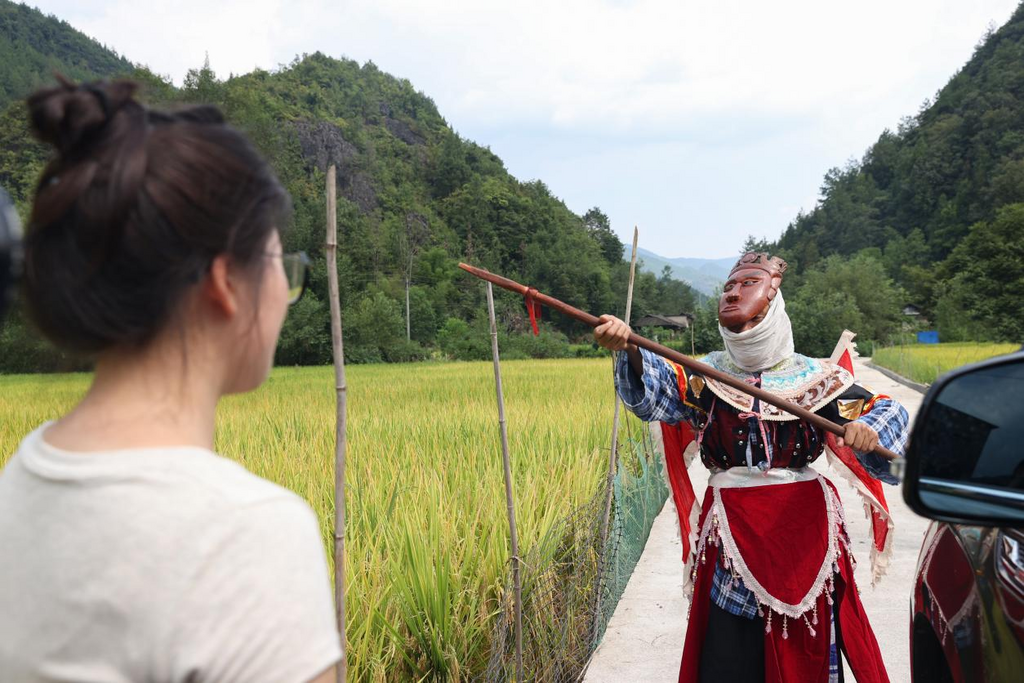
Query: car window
<point x="977" y="433"/>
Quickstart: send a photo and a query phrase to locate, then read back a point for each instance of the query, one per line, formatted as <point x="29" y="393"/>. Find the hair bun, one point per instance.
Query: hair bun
<point x="66" y="115"/>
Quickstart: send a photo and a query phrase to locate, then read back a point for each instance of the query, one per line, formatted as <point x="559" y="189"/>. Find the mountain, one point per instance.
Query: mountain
<point x="34" y="46"/>
<point x="414" y="199"/>
<point x="940" y="201"/>
<point x="704" y="275"/>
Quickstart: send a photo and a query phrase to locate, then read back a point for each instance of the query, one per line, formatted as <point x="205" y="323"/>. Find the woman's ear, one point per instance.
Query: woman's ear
<point x="219" y="288"/>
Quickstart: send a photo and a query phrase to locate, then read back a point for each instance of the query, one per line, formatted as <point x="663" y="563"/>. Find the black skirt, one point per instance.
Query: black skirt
<point x="733" y="648"/>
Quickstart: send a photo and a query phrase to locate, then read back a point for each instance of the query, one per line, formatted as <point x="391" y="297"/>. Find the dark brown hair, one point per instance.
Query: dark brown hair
<point x="132" y="209"/>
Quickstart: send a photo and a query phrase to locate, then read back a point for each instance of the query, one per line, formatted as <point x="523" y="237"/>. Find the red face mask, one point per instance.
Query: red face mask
<point x="745" y="297"/>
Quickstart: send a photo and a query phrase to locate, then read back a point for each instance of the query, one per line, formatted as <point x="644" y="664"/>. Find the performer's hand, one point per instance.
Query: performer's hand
<point x="859" y="437"/>
<point x="612" y="333"/>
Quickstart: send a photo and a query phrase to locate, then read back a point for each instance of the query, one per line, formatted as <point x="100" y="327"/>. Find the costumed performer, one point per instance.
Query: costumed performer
<point x="769" y="568"/>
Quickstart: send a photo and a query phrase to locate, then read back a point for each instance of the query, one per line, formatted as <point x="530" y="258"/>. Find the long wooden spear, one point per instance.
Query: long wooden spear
<point x="675" y="356"/>
<point x="331" y="249"/>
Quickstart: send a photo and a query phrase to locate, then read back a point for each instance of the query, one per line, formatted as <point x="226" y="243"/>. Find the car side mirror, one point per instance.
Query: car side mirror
<point x="965" y="461"/>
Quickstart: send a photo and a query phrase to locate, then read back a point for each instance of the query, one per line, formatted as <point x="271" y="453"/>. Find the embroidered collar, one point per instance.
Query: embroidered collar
<point x="808" y="382"/>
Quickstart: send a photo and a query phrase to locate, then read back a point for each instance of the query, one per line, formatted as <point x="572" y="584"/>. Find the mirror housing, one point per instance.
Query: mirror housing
<point x="965" y="460"/>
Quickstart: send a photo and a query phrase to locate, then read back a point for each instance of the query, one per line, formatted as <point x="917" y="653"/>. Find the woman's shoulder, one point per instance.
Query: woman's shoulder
<point x="225" y="482"/>
<point x="192" y="472"/>
<point x="181" y="485"/>
<point x="235" y="518"/>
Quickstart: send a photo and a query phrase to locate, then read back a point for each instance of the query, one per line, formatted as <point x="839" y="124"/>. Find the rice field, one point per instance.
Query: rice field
<point x="426" y="541"/>
<point x="924" y="363"/>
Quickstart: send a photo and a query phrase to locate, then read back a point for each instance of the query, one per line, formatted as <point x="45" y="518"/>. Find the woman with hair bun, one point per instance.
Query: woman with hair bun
<point x="132" y="551"/>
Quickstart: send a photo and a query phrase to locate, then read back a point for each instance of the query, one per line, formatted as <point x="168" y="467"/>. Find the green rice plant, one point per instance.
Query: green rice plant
<point x="924" y="363"/>
<point x="427" y="531"/>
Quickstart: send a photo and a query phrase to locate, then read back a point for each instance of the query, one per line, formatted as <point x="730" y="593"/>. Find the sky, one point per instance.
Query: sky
<point x="699" y="122"/>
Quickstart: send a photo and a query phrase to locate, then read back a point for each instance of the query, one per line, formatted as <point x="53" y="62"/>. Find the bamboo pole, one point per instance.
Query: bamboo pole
<point x="509" y="500"/>
<point x="613" y="455"/>
<point x="408" y="323"/>
<point x="675" y="356"/>
<point x="331" y="251"/>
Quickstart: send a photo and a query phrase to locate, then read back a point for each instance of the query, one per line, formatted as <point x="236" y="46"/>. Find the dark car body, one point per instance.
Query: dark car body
<point x="967" y="609"/>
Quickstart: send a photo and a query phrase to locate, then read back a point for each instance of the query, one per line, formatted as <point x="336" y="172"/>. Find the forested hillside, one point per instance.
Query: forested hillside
<point x="414" y="198"/>
<point x="933" y="214"/>
<point x="940" y="201"/>
<point x="33" y="46"/>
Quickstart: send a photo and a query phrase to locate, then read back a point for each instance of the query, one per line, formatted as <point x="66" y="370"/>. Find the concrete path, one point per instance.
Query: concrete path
<point x="644" y="641"/>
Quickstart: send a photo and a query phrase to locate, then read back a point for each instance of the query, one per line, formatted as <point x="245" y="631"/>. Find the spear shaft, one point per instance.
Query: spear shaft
<point x="672" y="355"/>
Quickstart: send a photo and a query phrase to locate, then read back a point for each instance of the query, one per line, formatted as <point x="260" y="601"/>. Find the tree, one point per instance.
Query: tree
<point x="756" y="244"/>
<point x="459" y="341"/>
<point x="451" y="171"/>
<point x="414" y="199"/>
<point x="599" y="228"/>
<point x="844" y="293"/>
<point x="819" y="318"/>
<point x="706" y="337"/>
<point x="373" y="328"/>
<point x="986" y="279"/>
<point x="201" y="85"/>
<point x="25" y="350"/>
<point x="414" y="237"/>
<point x="305" y="339"/>
<point x="917" y="191"/>
<point x="424" y="317"/>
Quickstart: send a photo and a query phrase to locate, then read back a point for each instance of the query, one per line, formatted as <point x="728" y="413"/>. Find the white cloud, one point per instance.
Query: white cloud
<point x="750" y="102"/>
<point x="573" y="62"/>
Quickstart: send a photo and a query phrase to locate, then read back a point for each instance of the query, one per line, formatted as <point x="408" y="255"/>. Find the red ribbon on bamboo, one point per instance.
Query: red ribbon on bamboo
<point x="533" y="308"/>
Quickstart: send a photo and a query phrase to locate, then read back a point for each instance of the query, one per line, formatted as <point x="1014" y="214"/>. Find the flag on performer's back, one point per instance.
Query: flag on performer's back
<point x="845" y="351"/>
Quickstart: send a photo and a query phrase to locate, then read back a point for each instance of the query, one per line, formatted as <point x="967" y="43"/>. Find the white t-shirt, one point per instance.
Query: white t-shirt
<point x="154" y="565"/>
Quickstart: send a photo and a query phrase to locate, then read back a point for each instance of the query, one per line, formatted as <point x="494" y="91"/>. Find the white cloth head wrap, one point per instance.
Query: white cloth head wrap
<point x="764" y="345"/>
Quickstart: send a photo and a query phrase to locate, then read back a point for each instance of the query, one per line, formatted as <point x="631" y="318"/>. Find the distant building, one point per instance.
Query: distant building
<point x="916" y="317"/>
<point x="675" y="322"/>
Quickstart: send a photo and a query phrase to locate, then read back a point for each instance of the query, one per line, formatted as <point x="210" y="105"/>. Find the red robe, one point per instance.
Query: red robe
<point x="755" y="524"/>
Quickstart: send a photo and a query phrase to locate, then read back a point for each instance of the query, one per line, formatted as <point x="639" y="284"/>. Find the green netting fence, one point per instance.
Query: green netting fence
<point x="566" y="571"/>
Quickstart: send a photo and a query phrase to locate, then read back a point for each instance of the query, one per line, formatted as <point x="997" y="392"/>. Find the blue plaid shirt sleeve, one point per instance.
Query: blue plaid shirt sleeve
<point x="889" y="419"/>
<point x="731" y="594"/>
<point x="655" y="396"/>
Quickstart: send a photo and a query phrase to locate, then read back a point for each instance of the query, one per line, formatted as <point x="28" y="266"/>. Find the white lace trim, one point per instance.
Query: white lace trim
<point x="879" y="559"/>
<point x="824" y="583"/>
<point x="691" y="557"/>
<point x="760" y="592"/>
